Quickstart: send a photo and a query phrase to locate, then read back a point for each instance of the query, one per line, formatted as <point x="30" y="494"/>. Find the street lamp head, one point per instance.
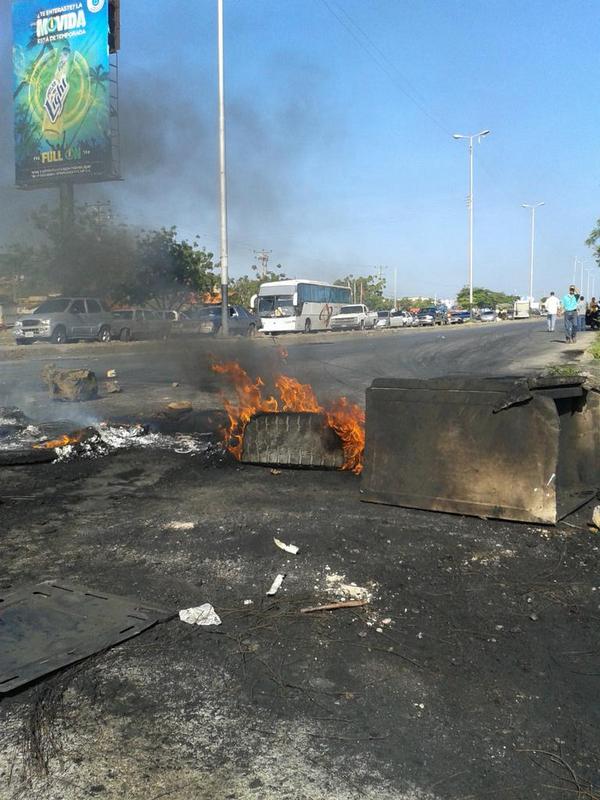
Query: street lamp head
<point x="483" y="133"/>
<point x="457" y="136"/>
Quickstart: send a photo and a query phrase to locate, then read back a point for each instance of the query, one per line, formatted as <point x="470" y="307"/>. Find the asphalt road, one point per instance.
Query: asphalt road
<point x="334" y="364"/>
<point x="471" y="673"/>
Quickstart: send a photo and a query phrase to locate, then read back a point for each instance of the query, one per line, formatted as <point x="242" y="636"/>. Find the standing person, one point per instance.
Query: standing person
<point x="552" y="305"/>
<point x="569" y="303"/>
<point x="581" y="309"/>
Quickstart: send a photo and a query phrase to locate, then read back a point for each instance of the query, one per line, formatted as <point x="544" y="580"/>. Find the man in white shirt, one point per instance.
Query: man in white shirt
<point x="552" y="305"/>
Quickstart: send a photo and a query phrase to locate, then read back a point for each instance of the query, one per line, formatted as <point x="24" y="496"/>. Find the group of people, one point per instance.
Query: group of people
<point x="575" y="309"/>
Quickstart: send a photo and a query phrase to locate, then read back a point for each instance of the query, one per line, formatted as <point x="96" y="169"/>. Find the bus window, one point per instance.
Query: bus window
<point x="281" y="305"/>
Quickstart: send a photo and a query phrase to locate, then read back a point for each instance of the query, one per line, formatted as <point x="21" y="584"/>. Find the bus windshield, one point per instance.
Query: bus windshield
<point x="280" y="305"/>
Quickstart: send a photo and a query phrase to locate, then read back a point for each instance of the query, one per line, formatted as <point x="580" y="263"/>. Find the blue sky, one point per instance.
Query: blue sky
<point x="340" y="116"/>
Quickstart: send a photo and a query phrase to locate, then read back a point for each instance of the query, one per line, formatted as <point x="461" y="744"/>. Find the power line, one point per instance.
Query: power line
<point x="383" y="62"/>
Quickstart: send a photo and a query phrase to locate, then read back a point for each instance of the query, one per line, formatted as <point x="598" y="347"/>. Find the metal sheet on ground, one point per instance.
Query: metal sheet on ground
<point x="53" y="624"/>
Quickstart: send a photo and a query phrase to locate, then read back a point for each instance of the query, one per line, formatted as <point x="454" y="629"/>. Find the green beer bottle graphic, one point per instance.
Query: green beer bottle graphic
<point x="56" y="96"/>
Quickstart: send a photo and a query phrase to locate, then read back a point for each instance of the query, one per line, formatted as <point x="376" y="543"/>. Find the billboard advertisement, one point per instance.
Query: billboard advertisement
<point x="61" y="92"/>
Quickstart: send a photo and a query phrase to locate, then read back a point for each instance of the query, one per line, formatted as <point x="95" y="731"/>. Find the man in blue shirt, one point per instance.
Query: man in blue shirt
<point x="569" y="304"/>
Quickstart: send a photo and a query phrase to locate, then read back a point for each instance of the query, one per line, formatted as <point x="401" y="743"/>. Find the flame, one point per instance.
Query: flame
<point x="347" y="419"/>
<point x="61" y="441"/>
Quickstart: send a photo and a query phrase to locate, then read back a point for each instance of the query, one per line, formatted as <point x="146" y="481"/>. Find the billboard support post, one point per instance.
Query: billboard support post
<point x="67" y="216"/>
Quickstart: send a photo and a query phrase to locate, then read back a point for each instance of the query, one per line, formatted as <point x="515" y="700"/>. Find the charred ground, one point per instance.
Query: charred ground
<point x="490" y="653"/>
<point x="472" y="672"/>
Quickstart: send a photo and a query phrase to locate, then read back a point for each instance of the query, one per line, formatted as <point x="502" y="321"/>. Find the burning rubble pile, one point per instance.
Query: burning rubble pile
<point x="340" y="423"/>
<point x="23" y="441"/>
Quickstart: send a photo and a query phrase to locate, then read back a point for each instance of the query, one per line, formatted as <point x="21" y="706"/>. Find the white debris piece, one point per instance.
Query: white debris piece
<point x="289" y="548"/>
<point x="336" y="584"/>
<point x="180" y="526"/>
<point x="200" y="615"/>
<point x="111" y="373"/>
<point x="596" y="517"/>
<point x="248" y="602"/>
<point x="276" y="584"/>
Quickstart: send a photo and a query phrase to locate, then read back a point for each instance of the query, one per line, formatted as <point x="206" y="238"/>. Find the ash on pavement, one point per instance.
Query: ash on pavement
<point x="472" y="672"/>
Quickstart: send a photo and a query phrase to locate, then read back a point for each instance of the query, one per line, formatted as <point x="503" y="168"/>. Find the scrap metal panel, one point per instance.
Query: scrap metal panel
<point x="52" y="624"/>
<point x="500" y="447"/>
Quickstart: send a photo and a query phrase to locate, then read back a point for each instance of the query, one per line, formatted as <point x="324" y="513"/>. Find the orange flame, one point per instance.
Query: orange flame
<point x="61" y="441"/>
<point x="347" y="419"/>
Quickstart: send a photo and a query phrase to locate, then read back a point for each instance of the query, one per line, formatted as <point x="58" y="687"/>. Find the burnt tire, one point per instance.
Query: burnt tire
<point x="59" y="335"/>
<point x="125" y="335"/>
<point x="104" y="334"/>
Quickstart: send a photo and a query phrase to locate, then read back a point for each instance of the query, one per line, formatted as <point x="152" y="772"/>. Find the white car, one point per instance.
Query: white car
<point x="400" y="319"/>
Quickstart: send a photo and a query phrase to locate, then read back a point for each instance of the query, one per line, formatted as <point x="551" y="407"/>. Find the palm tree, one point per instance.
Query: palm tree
<point x="31" y="68"/>
<point x="98" y="77"/>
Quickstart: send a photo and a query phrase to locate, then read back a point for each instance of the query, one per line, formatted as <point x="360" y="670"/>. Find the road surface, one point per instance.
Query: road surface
<point x="334" y="363"/>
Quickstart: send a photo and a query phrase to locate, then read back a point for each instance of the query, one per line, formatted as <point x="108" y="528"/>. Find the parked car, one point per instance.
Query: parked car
<point x="63" y="319"/>
<point x="458" y="316"/>
<point x="487" y="315"/>
<point x="432" y="316"/>
<point x="139" y="323"/>
<point x="383" y="320"/>
<point x="207" y="320"/>
<point x="400" y="319"/>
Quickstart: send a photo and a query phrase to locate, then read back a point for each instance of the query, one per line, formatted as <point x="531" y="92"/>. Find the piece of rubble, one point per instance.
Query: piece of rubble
<point x="289" y="548"/>
<point x="596" y="517"/>
<point x="70" y="385"/>
<point x="111" y="387"/>
<point x="179" y="407"/>
<point x="276" y="584"/>
<point x="111" y="373"/>
<point x="200" y="615"/>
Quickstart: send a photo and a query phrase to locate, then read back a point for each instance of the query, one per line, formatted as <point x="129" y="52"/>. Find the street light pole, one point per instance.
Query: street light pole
<point x="479" y="136"/>
<point x="589" y="272"/>
<point x="222" y="180"/>
<point x="533" y="208"/>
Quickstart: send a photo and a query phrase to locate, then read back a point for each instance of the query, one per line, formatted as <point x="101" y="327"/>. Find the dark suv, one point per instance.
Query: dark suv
<point x="61" y="319"/>
<point x="433" y="316"/>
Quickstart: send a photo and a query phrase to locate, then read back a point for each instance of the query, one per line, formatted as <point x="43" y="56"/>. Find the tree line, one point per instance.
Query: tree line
<point x="135" y="266"/>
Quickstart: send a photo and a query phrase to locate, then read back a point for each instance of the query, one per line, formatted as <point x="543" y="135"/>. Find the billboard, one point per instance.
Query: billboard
<point x="61" y="92"/>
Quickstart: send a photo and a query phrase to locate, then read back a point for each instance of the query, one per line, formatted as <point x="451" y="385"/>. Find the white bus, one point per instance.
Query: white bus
<point x="299" y="305"/>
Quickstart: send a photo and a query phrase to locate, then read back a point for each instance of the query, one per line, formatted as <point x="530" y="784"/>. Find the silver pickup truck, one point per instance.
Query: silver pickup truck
<point x="61" y="319"/>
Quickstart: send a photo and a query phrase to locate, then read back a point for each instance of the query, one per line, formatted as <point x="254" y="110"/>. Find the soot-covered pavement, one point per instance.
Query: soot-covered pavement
<point x="471" y="673"/>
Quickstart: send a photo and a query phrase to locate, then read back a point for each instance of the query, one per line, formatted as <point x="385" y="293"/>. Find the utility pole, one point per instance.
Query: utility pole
<point x="222" y="179"/>
<point x="395" y="288"/>
<point x="262" y="256"/>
